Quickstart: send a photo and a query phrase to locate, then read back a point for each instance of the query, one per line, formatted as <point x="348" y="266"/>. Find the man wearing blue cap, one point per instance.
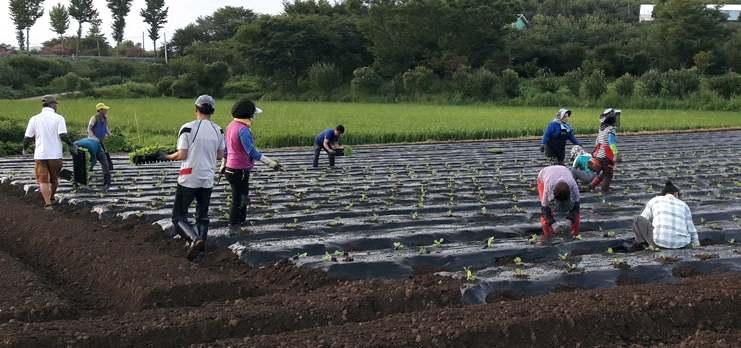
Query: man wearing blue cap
<point x="200" y="145"/>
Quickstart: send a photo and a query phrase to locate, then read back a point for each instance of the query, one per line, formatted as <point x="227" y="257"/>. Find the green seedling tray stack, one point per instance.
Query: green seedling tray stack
<point x="148" y="154"/>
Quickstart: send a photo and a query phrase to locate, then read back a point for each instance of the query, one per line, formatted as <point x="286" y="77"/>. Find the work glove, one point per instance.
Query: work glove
<point x="542" y="148"/>
<point x="222" y="168"/>
<point x="162" y="156"/>
<point x="547" y="215"/>
<point x="73" y="149"/>
<point x="271" y="163"/>
<point x="561" y="227"/>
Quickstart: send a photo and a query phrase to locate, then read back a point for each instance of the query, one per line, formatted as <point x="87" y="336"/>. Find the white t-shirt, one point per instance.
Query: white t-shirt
<point x="203" y="139"/>
<point x="45" y="128"/>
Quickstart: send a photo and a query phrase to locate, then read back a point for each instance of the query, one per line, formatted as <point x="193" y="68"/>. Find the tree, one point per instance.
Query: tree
<point x="94" y="32"/>
<point x="225" y="22"/>
<point x="84" y="12"/>
<point x="156" y="16"/>
<point x="59" y="20"/>
<point x="684" y="28"/>
<point x="119" y="9"/>
<point x="24" y="14"/>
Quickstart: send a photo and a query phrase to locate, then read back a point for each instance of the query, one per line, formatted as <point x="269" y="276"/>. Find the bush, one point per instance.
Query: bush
<point x="546" y="83"/>
<point x="324" y="77"/>
<point x="479" y="84"/>
<point x="127" y="90"/>
<point x="71" y="83"/>
<point x="680" y="83"/>
<point x="11" y="137"/>
<point x="419" y="80"/>
<point x="572" y="81"/>
<point x="365" y="81"/>
<point x="509" y="83"/>
<point x="594" y="85"/>
<point x="625" y="85"/>
<point x="242" y="88"/>
<point x="651" y="81"/>
<point x="185" y="87"/>
<point x="8" y="93"/>
<point x="212" y="77"/>
<point x="164" y="86"/>
<point x="726" y="86"/>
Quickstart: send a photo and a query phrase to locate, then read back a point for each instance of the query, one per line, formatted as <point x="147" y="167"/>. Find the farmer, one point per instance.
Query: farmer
<point x="605" y="151"/>
<point x="47" y="131"/>
<point x="98" y="125"/>
<point x="582" y="166"/>
<point x="241" y="155"/>
<point x="558" y="193"/>
<point x="95" y="148"/>
<point x="555" y="136"/>
<point x="666" y="222"/>
<point x="327" y="141"/>
<point x="200" y="145"/>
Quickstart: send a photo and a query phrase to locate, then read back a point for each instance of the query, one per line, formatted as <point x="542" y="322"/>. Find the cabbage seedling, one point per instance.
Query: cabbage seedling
<point x="610" y="251"/>
<point x="398" y="246"/>
<point x="437" y="244"/>
<point x="490" y="242"/>
<point x="470" y="275"/>
<point x="564" y="256"/>
<point x="518" y="261"/>
<point x="533" y="239"/>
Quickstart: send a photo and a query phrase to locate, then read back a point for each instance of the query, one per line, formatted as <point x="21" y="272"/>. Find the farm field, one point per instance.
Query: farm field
<point x="156" y="121"/>
<point x="381" y="245"/>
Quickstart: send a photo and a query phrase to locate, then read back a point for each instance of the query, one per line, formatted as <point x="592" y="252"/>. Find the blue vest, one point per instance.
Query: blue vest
<point x="100" y="128"/>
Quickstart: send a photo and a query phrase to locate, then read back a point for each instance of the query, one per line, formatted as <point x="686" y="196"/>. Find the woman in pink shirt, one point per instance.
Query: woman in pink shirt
<point x="241" y="155"/>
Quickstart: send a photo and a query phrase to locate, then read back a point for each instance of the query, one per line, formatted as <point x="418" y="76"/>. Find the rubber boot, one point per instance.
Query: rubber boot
<point x="203" y="231"/>
<point x="186" y="230"/>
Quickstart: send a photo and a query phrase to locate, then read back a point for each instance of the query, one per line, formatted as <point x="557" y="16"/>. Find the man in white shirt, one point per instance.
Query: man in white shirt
<point x="666" y="222"/>
<point x="47" y="131"/>
<point x="200" y="146"/>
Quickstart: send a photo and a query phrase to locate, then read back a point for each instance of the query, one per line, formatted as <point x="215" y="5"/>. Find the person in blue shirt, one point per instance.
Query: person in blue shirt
<point x="327" y="141"/>
<point x="97" y="154"/>
<point x="555" y="136"/>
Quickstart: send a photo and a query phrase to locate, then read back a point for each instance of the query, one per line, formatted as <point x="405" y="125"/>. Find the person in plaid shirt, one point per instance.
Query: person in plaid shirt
<point x="666" y="222"/>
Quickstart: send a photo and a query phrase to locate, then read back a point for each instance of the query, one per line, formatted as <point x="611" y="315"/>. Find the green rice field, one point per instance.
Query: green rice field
<point x="156" y="121"/>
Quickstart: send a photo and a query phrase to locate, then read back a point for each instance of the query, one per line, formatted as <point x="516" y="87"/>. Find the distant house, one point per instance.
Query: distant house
<point x="732" y="11"/>
<point x="521" y="23"/>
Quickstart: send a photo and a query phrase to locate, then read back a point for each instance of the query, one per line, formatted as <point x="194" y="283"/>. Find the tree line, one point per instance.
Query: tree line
<point x="25" y="13"/>
<point x="579" y="52"/>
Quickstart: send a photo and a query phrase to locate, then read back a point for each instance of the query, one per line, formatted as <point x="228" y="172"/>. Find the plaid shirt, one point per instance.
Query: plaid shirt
<point x="672" y="222"/>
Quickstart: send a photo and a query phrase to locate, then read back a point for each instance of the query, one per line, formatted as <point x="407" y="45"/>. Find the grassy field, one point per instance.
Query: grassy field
<point x="156" y="121"/>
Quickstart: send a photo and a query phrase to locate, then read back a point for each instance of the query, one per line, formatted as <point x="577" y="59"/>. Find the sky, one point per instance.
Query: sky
<point x="181" y="13"/>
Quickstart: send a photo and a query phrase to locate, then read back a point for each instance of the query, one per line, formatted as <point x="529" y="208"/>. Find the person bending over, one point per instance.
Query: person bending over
<point x="555" y="136"/>
<point x="558" y="194"/>
<point x="327" y="141"/>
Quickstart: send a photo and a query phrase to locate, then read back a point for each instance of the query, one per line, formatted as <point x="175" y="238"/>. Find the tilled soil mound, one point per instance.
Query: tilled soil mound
<point x="71" y="257"/>
<point x="72" y="278"/>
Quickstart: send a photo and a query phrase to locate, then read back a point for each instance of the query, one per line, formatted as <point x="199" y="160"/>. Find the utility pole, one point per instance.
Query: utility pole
<point x="164" y="38"/>
<point x="144" y="50"/>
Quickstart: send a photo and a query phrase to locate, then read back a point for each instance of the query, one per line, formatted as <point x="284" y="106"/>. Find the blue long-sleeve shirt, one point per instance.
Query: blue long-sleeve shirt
<point x="92" y="145"/>
<point x="553" y="131"/>
<point x="245" y="137"/>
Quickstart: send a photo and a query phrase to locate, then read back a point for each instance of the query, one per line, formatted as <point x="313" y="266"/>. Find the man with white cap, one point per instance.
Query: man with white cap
<point x="555" y="136"/>
<point x="200" y="145"/>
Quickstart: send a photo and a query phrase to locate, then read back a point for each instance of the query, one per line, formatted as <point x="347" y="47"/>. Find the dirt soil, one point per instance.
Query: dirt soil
<point x="70" y="279"/>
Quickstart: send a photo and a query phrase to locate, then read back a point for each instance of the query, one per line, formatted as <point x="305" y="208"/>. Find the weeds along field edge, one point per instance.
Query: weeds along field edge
<point x="156" y="121"/>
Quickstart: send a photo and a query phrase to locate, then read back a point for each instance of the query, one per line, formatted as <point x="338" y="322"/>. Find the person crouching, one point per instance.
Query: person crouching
<point x="558" y="193"/>
<point x="666" y="222"/>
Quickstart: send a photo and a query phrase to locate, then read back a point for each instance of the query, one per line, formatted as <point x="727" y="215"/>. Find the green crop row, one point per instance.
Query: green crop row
<point x="157" y="121"/>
